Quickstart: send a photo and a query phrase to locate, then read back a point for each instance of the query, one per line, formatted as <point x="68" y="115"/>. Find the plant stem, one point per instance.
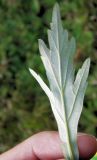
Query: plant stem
<point x="69" y="147"/>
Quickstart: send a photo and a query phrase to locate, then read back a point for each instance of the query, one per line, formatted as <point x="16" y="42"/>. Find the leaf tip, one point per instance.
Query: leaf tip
<point x="56" y="12"/>
<point x="87" y="62"/>
<point x="39" y="41"/>
<point x="56" y="6"/>
<point x="29" y="69"/>
<point x="32" y="71"/>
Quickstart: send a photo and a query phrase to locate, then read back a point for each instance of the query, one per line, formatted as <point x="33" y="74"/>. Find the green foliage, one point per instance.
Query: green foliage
<point x="24" y="109"/>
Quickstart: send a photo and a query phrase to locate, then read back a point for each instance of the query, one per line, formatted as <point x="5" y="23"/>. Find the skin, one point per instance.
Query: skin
<point x="46" y="146"/>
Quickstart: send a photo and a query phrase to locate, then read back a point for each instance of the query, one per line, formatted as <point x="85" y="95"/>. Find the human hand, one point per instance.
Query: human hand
<point x="46" y="146"/>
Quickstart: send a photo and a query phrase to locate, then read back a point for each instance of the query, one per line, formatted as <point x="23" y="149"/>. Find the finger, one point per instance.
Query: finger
<point x="46" y="145"/>
<point x="23" y="151"/>
<point x="87" y="145"/>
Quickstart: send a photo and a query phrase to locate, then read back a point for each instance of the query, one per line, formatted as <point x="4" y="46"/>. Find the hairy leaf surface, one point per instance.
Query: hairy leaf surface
<point x="65" y="92"/>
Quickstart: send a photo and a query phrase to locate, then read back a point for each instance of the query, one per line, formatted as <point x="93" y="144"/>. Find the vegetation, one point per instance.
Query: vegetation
<point x="24" y="108"/>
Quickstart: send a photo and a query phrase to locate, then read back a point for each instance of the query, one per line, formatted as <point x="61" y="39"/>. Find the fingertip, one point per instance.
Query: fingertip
<point x="87" y="145"/>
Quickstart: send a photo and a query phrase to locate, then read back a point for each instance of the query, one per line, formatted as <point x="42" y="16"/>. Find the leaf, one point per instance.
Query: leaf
<point x="41" y="82"/>
<point x="65" y="94"/>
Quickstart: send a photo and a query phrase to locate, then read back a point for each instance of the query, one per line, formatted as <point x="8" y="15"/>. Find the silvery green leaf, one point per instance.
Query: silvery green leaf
<point x="66" y="93"/>
<point x="41" y="82"/>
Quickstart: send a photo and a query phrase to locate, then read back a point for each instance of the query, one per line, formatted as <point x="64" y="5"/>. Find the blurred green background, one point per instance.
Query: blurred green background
<point x="24" y="107"/>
